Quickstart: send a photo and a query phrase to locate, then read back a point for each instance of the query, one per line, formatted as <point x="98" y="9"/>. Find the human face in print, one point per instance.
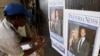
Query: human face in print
<point x="83" y="32"/>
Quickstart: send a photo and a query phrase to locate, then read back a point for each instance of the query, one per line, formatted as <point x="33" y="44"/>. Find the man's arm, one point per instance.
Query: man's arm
<point x="87" y="48"/>
<point x="25" y="40"/>
<point x="30" y="51"/>
<point x="32" y="39"/>
<point x="39" y="42"/>
<point x="34" y="48"/>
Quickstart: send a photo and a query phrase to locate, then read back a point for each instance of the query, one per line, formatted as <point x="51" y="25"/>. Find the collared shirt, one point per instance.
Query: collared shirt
<point x="9" y="41"/>
<point x="83" y="39"/>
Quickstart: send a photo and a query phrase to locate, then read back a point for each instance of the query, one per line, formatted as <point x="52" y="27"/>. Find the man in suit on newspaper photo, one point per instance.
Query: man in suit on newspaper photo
<point x="81" y="48"/>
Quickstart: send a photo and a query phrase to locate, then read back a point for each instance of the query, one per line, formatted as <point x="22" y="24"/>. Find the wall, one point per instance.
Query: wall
<point x="2" y="5"/>
<point x="92" y="5"/>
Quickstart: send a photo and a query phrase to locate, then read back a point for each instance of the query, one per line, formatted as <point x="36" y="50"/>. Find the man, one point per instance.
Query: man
<point x="10" y="40"/>
<point x="52" y="21"/>
<point x="58" y="23"/>
<point x="82" y="47"/>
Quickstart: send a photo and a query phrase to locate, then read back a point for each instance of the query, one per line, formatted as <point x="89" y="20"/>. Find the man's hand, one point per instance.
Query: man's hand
<point x="40" y="41"/>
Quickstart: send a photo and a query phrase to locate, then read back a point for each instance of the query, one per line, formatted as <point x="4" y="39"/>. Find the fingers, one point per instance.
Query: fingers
<point x="41" y="44"/>
<point x="40" y="38"/>
<point x="41" y="41"/>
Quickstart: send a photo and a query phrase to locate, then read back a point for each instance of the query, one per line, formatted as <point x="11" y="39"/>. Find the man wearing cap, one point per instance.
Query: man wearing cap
<point x="15" y="16"/>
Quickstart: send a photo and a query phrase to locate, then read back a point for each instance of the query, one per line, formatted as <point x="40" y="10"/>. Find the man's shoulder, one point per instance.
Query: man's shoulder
<point x="4" y="31"/>
<point x="87" y="42"/>
<point x="1" y="26"/>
